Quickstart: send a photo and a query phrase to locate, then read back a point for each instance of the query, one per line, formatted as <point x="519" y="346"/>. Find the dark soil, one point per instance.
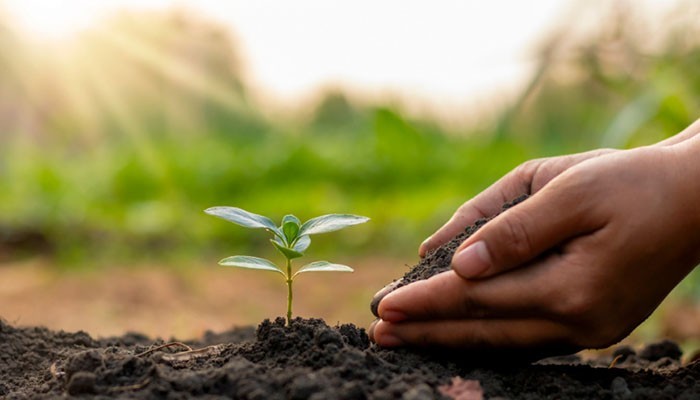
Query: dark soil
<point x="310" y="360"/>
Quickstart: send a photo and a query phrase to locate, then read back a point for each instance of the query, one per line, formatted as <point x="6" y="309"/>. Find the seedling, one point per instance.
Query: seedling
<point x="292" y="238"/>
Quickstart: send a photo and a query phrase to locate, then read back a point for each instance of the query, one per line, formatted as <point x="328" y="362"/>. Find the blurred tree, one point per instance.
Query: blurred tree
<point x="335" y="114"/>
<point x="120" y="137"/>
<point x="610" y="86"/>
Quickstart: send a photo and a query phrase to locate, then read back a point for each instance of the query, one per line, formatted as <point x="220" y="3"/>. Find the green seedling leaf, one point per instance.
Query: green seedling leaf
<point x="251" y="263"/>
<point x="302" y="243"/>
<point x="323" y="266"/>
<point x="290" y="227"/>
<point x="242" y="217"/>
<point x="330" y="223"/>
<point x="290" y="217"/>
<point x="278" y="240"/>
<point x="286" y="251"/>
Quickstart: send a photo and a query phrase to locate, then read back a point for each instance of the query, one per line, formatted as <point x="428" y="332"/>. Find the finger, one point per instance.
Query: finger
<point x="374" y="304"/>
<point x="485" y="204"/>
<point x="520" y="234"/>
<point x="370" y="329"/>
<point x="528" y="178"/>
<point x="478" y="334"/>
<point x="522" y="293"/>
<point x="687" y="133"/>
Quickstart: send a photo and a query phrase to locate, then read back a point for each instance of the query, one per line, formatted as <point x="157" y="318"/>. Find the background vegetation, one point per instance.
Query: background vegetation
<point x="111" y="145"/>
<point x="114" y="143"/>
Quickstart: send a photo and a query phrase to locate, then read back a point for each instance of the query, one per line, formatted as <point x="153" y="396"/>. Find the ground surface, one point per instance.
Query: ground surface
<point x="163" y="301"/>
<point x="310" y="360"/>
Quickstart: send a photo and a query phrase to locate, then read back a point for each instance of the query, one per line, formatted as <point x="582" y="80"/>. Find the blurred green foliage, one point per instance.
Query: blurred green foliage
<point x="112" y="145"/>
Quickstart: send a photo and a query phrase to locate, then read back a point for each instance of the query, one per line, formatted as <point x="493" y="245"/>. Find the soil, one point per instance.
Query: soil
<point x="311" y="360"/>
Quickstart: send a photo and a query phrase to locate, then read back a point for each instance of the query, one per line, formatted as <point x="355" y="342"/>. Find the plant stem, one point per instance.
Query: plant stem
<point x="289" y="292"/>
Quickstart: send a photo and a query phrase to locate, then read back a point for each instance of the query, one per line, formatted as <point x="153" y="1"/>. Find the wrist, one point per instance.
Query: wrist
<point x="687" y="157"/>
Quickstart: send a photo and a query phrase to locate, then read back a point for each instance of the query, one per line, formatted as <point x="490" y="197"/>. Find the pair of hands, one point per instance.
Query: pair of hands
<point x="603" y="238"/>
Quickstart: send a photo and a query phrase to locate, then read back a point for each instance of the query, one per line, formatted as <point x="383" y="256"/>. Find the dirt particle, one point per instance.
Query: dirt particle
<point x="82" y="382"/>
<point x="89" y="360"/>
<point x="619" y="388"/>
<point x="664" y="348"/>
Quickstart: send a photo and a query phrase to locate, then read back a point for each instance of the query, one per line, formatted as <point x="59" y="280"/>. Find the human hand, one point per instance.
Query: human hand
<point x="601" y="241"/>
<point x="527" y="178"/>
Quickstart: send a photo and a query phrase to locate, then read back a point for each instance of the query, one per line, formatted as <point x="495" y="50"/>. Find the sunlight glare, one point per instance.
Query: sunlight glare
<point x="52" y="20"/>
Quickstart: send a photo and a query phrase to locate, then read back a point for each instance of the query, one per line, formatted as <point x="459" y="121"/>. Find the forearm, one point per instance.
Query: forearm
<point x="687" y="153"/>
<point x="693" y="131"/>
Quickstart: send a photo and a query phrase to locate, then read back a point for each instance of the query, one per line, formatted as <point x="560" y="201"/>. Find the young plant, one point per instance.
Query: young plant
<point x="292" y="238"/>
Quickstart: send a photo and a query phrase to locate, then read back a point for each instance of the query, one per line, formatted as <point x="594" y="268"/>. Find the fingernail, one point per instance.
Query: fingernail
<point x="393" y="316"/>
<point x="389" y="340"/>
<point x="387" y="289"/>
<point x="374" y="304"/>
<point x="472" y="261"/>
<point x="423" y="245"/>
<point x="370" y="330"/>
<point x="425" y="242"/>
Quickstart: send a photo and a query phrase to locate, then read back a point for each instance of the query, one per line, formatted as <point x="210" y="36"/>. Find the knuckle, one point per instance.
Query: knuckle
<point x="578" y="301"/>
<point x="578" y="183"/>
<point x="462" y="211"/>
<point x="469" y="306"/>
<point x="575" y="306"/>
<point x="526" y="170"/>
<point x="428" y="292"/>
<point x="517" y="236"/>
<point x="424" y="339"/>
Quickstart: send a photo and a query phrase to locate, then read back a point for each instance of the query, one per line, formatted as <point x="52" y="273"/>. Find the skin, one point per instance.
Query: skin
<point x="603" y="238"/>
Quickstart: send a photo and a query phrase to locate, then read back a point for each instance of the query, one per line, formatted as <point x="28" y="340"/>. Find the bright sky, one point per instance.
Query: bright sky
<point x="443" y="54"/>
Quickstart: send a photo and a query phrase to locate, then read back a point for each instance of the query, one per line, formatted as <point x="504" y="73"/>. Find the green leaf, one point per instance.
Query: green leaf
<point x="323" y="266"/>
<point x="287" y="252"/>
<point x="290" y="217"/>
<point x="330" y="223"/>
<point x="251" y="263"/>
<point x="242" y="217"/>
<point x="302" y="243"/>
<point x="278" y="240"/>
<point x="290" y="227"/>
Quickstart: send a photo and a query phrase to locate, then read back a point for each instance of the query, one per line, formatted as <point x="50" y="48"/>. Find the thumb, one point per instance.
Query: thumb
<point x="522" y="233"/>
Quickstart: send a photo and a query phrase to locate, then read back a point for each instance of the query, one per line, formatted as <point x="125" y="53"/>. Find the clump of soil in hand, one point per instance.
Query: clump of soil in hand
<point x="310" y="360"/>
<point x="438" y="260"/>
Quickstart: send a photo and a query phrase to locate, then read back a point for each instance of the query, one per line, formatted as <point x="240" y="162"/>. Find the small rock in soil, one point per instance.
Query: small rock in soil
<point x="619" y="388"/>
<point x="665" y="348"/>
<point x="82" y="382"/>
